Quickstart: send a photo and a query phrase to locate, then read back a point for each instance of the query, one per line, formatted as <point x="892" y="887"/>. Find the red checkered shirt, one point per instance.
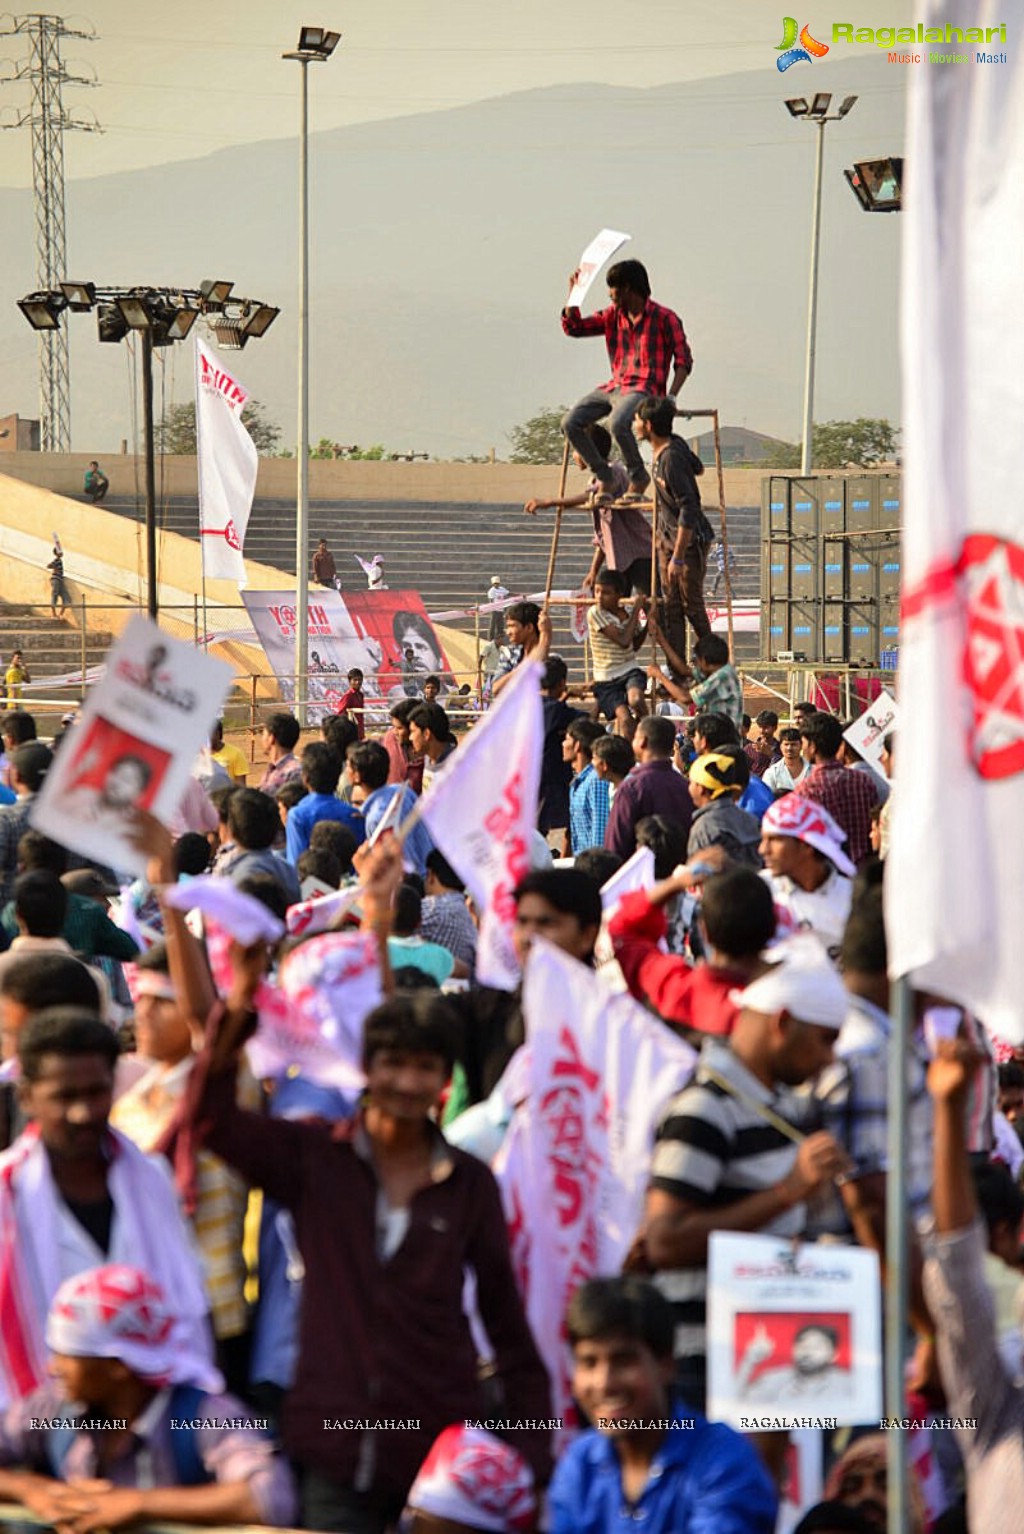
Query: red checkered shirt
<point x="848" y="796"/>
<point x="639" y="351"/>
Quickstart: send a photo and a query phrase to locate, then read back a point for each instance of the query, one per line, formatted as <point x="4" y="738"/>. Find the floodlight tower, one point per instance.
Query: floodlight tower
<point x="49" y="122"/>
<point x="817" y="112"/>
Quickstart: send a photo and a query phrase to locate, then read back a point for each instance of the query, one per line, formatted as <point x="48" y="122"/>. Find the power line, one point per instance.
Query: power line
<point x="49" y="122"/>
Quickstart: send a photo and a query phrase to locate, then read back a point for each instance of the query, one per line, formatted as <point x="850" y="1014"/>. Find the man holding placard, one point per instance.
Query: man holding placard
<point x="642" y="338"/>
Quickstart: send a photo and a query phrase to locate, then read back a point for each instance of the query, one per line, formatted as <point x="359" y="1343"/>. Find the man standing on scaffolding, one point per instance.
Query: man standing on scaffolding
<point x="684" y="532"/>
<point x="642" y="338"/>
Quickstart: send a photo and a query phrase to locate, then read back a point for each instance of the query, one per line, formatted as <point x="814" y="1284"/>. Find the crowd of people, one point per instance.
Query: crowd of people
<point x="238" y="1290"/>
<point x="327" y="1359"/>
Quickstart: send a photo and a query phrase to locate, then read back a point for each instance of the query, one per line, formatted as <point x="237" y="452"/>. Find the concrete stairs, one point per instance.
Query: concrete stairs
<point x="51" y="647"/>
<point x="447" y="551"/>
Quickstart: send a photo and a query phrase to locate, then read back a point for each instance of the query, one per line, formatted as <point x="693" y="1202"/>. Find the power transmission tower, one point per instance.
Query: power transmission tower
<point x="49" y="122"/>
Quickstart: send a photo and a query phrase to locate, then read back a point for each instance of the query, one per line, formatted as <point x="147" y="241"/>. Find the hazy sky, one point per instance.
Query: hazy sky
<point x="179" y="79"/>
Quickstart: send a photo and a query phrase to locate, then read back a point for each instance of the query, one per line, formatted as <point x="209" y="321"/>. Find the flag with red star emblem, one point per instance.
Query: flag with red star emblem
<point x="954" y="888"/>
<point x="227" y="461"/>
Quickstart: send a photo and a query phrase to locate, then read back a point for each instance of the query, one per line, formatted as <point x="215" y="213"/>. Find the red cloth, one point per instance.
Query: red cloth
<point x="353" y="703"/>
<point x="639" y="353"/>
<point x="694" y="997"/>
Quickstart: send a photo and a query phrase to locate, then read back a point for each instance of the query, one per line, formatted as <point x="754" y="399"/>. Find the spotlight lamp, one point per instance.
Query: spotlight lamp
<point x="259" y="321"/>
<point x="80" y="296"/>
<point x="821" y="104"/>
<point x="181" y="323"/>
<point x="215" y="292"/>
<point x="43" y="310"/>
<point x="849" y="102"/>
<point x="878" y="184"/>
<point x="111" y="323"/>
<point x="317" y="42"/>
<point x="135" y="311"/>
<point x="796" y="106"/>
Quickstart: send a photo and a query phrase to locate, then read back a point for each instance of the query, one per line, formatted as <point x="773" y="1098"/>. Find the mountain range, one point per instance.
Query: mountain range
<point x="440" y="246"/>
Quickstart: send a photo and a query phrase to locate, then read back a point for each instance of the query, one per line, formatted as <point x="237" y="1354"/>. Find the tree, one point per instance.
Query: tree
<point x="841" y="445"/>
<point x="176" y="433"/>
<point x="540" y="439"/>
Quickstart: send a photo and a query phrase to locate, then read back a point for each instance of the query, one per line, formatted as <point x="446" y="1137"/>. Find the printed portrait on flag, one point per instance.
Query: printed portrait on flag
<point x="397" y="623"/>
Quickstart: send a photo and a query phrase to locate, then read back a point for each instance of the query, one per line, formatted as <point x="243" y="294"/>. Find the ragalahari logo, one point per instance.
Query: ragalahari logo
<point x="789" y="53"/>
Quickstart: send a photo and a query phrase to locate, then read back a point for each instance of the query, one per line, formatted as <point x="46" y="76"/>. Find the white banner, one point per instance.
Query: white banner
<point x="575" y="1165"/>
<point x="793" y="1332"/>
<point x="133" y="746"/>
<point x="954" y="889"/>
<point x="601" y="249"/>
<point x="227" y="462"/>
<point x="481" y="809"/>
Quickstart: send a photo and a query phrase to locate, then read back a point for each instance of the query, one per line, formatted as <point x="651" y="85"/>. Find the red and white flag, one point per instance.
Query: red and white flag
<point x="954" y="888"/>
<point x="575" y="1163"/>
<point x="228" y="462"/>
<point x="481" y="810"/>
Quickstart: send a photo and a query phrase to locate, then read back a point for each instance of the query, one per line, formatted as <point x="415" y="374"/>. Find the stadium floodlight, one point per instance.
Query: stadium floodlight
<point x="260" y="320"/>
<point x="80" y="295"/>
<point x="216" y="292"/>
<point x="878" y="184"/>
<point x="43" y="310"/>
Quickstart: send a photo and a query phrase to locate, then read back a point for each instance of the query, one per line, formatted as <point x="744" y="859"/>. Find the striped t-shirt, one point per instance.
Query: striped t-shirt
<point x="712" y="1150"/>
<point x="611" y="659"/>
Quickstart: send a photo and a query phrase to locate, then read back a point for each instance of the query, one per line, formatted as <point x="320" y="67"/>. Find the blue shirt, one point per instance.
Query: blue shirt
<point x="756" y="797"/>
<point x="589" y="808"/>
<point x="302" y="817"/>
<point x="703" y="1480"/>
<point x="417" y="844"/>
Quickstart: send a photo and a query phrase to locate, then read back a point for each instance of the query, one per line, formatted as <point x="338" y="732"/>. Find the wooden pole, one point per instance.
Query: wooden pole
<point x="654" y="596"/>
<point x="558" y="527"/>
<point x="479" y="657"/>
<point x="724" y="527"/>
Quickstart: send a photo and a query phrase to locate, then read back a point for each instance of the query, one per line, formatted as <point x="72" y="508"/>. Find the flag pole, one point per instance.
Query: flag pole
<point x="199" y="480"/>
<point x="897" y="1252"/>
<point x="558" y="527"/>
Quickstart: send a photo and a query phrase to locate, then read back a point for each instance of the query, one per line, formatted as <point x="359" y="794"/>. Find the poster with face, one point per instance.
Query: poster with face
<point x="867" y="734"/>
<point x="386" y="634"/>
<point x="793" y="1332"/>
<point x="133" y="746"/>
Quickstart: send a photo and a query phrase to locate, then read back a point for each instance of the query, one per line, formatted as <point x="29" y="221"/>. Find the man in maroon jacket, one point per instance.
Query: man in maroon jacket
<point x="388" y="1218"/>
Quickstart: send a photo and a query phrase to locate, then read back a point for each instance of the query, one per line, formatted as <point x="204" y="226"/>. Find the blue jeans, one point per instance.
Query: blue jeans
<point x="594" y="407"/>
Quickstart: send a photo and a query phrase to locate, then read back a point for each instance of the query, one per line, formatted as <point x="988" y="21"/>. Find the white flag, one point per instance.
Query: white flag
<point x="636" y="873"/>
<point x="954" y="887"/>
<point x="574" y="1167"/>
<point x="228" y="462"/>
<point x="481" y="810"/>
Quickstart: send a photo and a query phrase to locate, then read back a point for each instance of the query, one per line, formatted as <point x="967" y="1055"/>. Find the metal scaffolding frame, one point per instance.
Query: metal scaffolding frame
<point x="46" y="117"/>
